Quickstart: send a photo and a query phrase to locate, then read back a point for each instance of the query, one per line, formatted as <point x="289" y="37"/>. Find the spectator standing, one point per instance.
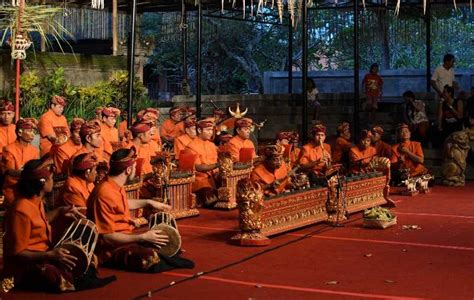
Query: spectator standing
<point x="444" y="75"/>
<point x="373" y="85"/>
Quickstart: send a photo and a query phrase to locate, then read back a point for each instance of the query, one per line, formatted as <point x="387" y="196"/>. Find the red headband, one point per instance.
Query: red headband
<point x="377" y="129"/>
<point x="7" y="106"/>
<point x="205" y="123"/>
<point x="27" y="123"/>
<point x="43" y="171"/>
<point x="59" y="100"/>
<point x="88" y="162"/>
<point x="140" y="128"/>
<point x="126" y="161"/>
<point x="244" y="122"/>
<point x="318" y="128"/>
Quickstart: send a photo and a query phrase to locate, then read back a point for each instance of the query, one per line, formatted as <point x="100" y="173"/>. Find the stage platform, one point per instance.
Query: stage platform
<point x="318" y="262"/>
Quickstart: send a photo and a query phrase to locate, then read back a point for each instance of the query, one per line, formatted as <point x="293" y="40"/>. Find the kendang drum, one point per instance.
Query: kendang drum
<point x="80" y="240"/>
<point x="167" y="224"/>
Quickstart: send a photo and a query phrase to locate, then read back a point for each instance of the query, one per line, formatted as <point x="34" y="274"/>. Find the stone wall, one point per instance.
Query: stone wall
<point x="342" y="81"/>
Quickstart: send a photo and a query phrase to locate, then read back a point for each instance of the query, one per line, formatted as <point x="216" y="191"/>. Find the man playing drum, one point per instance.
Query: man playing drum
<point x="109" y="208"/>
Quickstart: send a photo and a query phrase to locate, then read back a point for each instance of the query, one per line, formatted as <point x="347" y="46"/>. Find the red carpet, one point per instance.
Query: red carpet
<point x="319" y="262"/>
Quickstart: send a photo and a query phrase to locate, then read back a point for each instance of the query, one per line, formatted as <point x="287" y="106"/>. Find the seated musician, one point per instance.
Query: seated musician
<point x="80" y="183"/>
<point x="52" y="118"/>
<point x="340" y="151"/>
<point x="407" y="154"/>
<point x="206" y="162"/>
<point x="92" y="141"/>
<point x="383" y="149"/>
<point x="28" y="254"/>
<point x="272" y="174"/>
<point x="16" y="155"/>
<point x="141" y="139"/>
<point x="172" y="127"/>
<point x="241" y="139"/>
<point x="219" y="115"/>
<point x="361" y="155"/>
<point x="7" y="126"/>
<point x="152" y="116"/>
<point x="62" y="153"/>
<point x="182" y="141"/>
<point x="123" y="125"/>
<point x="190" y="113"/>
<point x="108" y="131"/>
<point x="109" y="208"/>
<point x="315" y="157"/>
<point x="289" y="140"/>
<point x="236" y="112"/>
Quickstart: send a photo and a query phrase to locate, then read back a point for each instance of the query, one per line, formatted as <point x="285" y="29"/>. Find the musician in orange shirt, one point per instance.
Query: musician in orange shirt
<point x="7" y="127"/>
<point x="315" y="156"/>
<point x="49" y="120"/>
<point x="241" y="139"/>
<point x="109" y="208"/>
<point x="141" y="139"/>
<point x="237" y="112"/>
<point x="16" y="155"/>
<point x="181" y="142"/>
<point x="109" y="133"/>
<point x="272" y="174"/>
<point x="92" y="141"/>
<point x="123" y="125"/>
<point x="28" y="251"/>
<point x="173" y="127"/>
<point x="62" y="153"/>
<point x="383" y="149"/>
<point x="361" y="155"/>
<point x="407" y="154"/>
<point x="289" y="140"/>
<point x="152" y="116"/>
<point x="340" y="151"/>
<point x="206" y="162"/>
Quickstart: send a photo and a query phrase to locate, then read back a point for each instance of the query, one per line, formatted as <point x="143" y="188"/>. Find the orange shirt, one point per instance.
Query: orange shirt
<point x="99" y="152"/>
<point x="236" y="143"/>
<point x="108" y="208"/>
<point x="312" y="152"/>
<point x="26" y="227"/>
<point x="206" y="153"/>
<point x="180" y="144"/>
<point x="229" y="125"/>
<point x="109" y="135"/>
<point x="122" y="128"/>
<point x="14" y="157"/>
<point x="171" y="129"/>
<point x="62" y="155"/>
<point x="265" y="177"/>
<point x="145" y="152"/>
<point x="415" y="148"/>
<point x="46" y="125"/>
<point x="156" y="138"/>
<point x="359" y="159"/>
<point x="341" y="147"/>
<point x="7" y="135"/>
<point x="383" y="149"/>
<point x="295" y="156"/>
<point x="75" y="192"/>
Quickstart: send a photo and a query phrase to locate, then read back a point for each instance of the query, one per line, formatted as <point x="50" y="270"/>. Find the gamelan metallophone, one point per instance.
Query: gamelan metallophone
<point x="227" y="192"/>
<point x="180" y="195"/>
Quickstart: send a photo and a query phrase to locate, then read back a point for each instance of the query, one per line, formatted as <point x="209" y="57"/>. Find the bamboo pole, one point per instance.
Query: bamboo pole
<point x="18" y="66"/>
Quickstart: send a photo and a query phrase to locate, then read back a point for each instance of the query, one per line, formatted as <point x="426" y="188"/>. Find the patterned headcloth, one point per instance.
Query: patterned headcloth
<point x="7" y="106"/>
<point x="175" y="110"/>
<point x="43" y="171"/>
<point x="318" y="128"/>
<point x="205" y="123"/>
<point x="284" y="135"/>
<point x="272" y="151"/>
<point x="111" y="112"/>
<point x="27" y="123"/>
<point x="365" y="134"/>
<point x="377" y="129"/>
<point x="140" y="127"/>
<point x="125" y="162"/>
<point x="189" y="123"/>
<point x="88" y="128"/>
<point x="190" y="110"/>
<point x="243" y="122"/>
<point x="85" y="162"/>
<point x="76" y="124"/>
<point x="59" y="100"/>
<point x="401" y="126"/>
<point x="343" y="127"/>
<point x="149" y="114"/>
<point x="98" y="110"/>
<point x="295" y="137"/>
<point x="224" y="138"/>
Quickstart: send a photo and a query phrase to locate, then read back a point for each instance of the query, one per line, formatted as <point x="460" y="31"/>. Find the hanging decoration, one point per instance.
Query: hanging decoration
<point x="19" y="46"/>
<point x="97" y="4"/>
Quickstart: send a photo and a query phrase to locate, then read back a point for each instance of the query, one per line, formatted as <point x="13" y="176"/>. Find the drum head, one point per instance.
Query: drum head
<point x="82" y="262"/>
<point x="174" y="243"/>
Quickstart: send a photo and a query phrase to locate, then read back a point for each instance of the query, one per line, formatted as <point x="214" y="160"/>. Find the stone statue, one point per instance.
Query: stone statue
<point x="456" y="149"/>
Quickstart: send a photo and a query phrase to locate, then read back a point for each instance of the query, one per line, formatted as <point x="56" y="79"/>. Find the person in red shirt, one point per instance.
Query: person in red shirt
<point x="361" y="155"/>
<point x="49" y="121"/>
<point x="241" y="139"/>
<point x="29" y="256"/>
<point x="109" y="208"/>
<point x="373" y="85"/>
<point x="16" y="155"/>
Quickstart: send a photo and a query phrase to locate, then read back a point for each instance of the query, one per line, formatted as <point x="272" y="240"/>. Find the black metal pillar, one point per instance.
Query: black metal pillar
<point x="198" y="63"/>
<point x="184" y="38"/>
<point x="290" y="57"/>
<point x="304" y="75"/>
<point x="428" y="46"/>
<point x="131" y="61"/>
<point x="356" y="67"/>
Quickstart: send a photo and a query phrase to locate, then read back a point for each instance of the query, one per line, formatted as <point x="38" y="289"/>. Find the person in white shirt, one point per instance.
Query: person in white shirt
<point x="313" y="95"/>
<point x="444" y="75"/>
<point x="416" y="117"/>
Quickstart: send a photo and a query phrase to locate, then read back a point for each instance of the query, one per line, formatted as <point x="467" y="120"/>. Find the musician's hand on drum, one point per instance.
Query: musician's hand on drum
<point x="158" y="205"/>
<point x="62" y="256"/>
<point x="155" y="237"/>
<point x="73" y="212"/>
